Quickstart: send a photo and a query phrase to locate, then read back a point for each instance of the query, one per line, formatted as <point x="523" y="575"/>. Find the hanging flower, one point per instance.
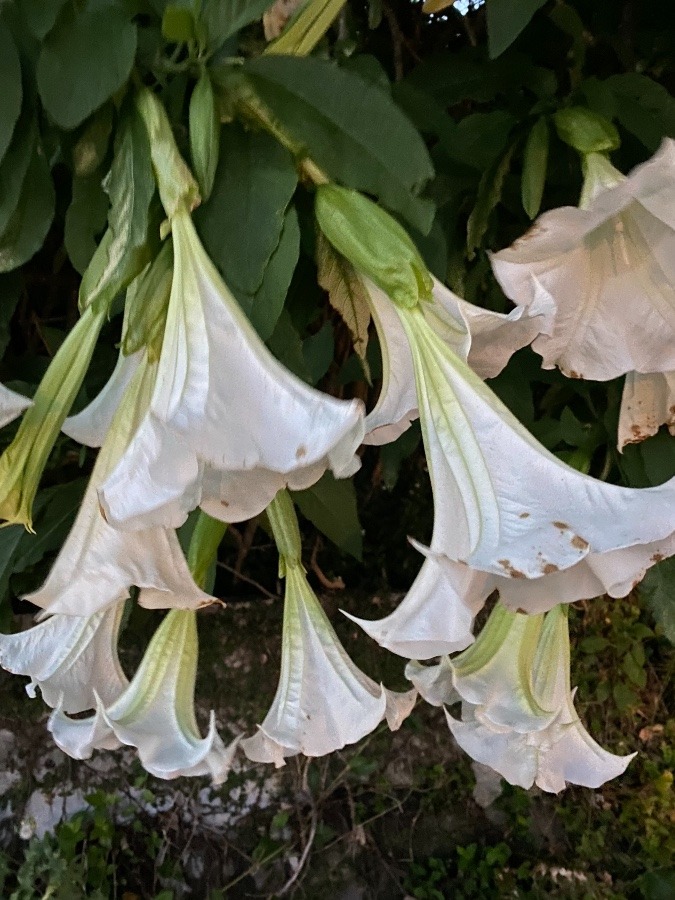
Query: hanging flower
<point x="504" y="504"/>
<point x="97" y="563"/>
<point x="71" y="659"/>
<point x="323" y="701"/>
<point x="155" y="713"/>
<point x="11" y="405"/>
<point x="518" y="713"/>
<point x="222" y="419"/>
<point x="609" y="270"/>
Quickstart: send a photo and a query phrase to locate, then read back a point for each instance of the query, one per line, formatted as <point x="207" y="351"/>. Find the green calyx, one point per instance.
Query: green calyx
<point x="204" y="543"/>
<point x="374" y="243"/>
<point x="599" y="175"/>
<point x="177" y="185"/>
<point x="146" y="306"/>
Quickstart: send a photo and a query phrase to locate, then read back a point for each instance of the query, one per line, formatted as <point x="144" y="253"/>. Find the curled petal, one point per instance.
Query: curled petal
<point x="72" y="659"/>
<point x="434" y="683"/>
<point x="609" y="270"/>
<point x="239" y="411"/>
<point x="323" y="701"/>
<point x="647" y="402"/>
<point x="11" y="405"/>
<point x="91" y="424"/>
<point x="80" y="737"/>
<point x="436" y="615"/>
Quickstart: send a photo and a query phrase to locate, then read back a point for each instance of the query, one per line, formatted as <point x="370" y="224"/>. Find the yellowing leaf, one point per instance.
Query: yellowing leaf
<point x="347" y="295"/>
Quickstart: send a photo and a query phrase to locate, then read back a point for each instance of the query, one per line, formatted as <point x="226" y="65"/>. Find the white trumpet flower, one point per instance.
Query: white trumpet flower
<point x="11" y="405"/>
<point x="323" y="701"/>
<point x="97" y="563"/>
<point x="225" y="414"/>
<point x="71" y="659"/>
<point x="550" y="748"/>
<point x="608" y="270"/>
<point x="504" y="504"/>
<point x="155" y="713"/>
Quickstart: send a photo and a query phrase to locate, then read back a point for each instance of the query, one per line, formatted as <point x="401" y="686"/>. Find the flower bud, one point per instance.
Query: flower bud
<point x="204" y="134"/>
<point x="374" y="243"/>
<point x="585" y="130"/>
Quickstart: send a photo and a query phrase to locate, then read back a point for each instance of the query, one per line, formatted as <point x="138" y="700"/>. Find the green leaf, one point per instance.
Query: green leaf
<point x="352" y="129"/>
<point x="330" y="505"/>
<point x="14" y="166"/>
<point x="10" y="538"/>
<point x="223" y="19"/>
<point x="286" y="344"/>
<point x="242" y="221"/>
<point x="489" y="195"/>
<point x="393" y="455"/>
<point x="11" y="93"/>
<point x="643" y="107"/>
<point x="29" y="224"/>
<point x="40" y="15"/>
<point x="85" y="220"/>
<point x="346" y="293"/>
<point x="123" y="251"/>
<point x="506" y="19"/>
<point x="85" y="59"/>
<point x="317" y="351"/>
<point x="265" y="307"/>
<point x="92" y="146"/>
<point x="204" y="134"/>
<point x="658" y="589"/>
<point x="10" y="291"/>
<point x="535" y="161"/>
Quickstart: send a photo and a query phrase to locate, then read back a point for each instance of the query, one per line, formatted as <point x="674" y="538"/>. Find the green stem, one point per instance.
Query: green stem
<point x="284" y="522"/>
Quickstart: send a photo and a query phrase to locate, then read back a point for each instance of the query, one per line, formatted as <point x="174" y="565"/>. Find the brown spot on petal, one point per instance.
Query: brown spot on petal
<point x="550" y="568"/>
<point x="512" y="573"/>
<point x="301" y="451"/>
<point x="657" y="557"/>
<point x="563" y="526"/>
<point x="524" y="516"/>
<point x="522" y="611"/>
<point x="224" y="503"/>
<point x="579" y="543"/>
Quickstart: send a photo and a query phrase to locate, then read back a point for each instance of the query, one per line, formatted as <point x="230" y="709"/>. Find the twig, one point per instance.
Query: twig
<point x="314" y="821"/>
<point x="251" y="581"/>
<point x="331" y="584"/>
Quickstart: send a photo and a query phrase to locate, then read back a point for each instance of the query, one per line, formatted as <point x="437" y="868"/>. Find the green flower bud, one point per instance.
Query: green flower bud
<point x="374" y="243"/>
<point x="204" y="133"/>
<point x="176" y="183"/>
<point x="585" y="130"/>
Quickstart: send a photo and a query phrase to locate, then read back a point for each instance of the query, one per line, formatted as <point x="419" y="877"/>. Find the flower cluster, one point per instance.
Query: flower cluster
<point x="200" y="416"/>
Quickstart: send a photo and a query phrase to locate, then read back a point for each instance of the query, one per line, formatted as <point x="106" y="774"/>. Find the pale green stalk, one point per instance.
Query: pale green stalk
<point x="306" y="29"/>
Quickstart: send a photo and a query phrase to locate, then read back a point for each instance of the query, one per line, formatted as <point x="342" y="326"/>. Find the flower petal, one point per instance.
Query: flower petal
<point x="503" y="503"/>
<point x="610" y="272"/>
<point x="323" y="701"/>
<point x="70" y="658"/>
<point x="436" y="615"/>
<point x="232" y="412"/>
<point x="91" y="424"/>
<point x="647" y="402"/>
<point x="434" y="683"/>
<point x="80" y="737"/>
<point x="11" y="405"/>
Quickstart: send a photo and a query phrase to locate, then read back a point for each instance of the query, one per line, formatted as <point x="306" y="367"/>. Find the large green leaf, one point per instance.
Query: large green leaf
<point x="11" y="93"/>
<point x="351" y="128"/>
<point x="644" y="107"/>
<point x="222" y="18"/>
<point x="658" y="588"/>
<point x="29" y="224"/>
<point x="506" y="19"/>
<point x="489" y="194"/>
<point x="535" y="162"/>
<point x="40" y="15"/>
<point x="330" y="505"/>
<point x="123" y="251"/>
<point x="85" y="58"/>
<point x="241" y="222"/>
<point x="13" y="168"/>
<point x="10" y="290"/>
<point x="85" y="219"/>
<point x="265" y="307"/>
